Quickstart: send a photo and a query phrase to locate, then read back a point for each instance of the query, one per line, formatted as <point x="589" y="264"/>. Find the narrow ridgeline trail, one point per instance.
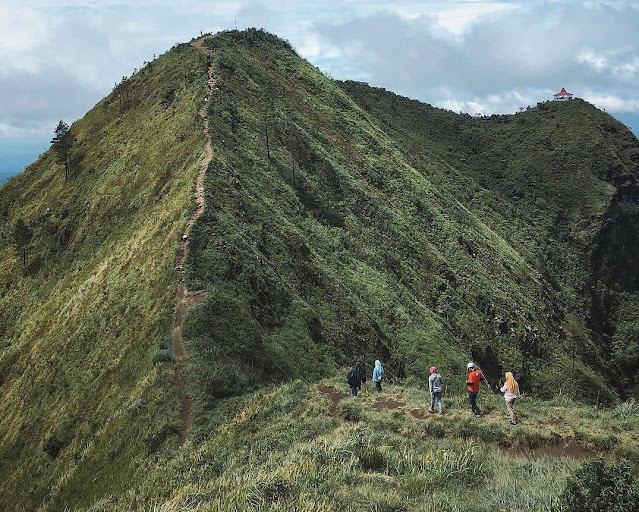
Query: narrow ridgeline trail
<point x="185" y="298"/>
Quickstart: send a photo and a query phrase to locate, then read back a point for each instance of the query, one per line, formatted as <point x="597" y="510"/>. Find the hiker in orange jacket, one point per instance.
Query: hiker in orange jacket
<point x="474" y="377"/>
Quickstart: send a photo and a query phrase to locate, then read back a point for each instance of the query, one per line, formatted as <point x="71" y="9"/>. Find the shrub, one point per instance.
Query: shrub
<point x="600" y="486"/>
<point x="350" y="410"/>
<point x="162" y="355"/>
<point x="435" y="430"/>
<point x="625" y="410"/>
<point x="372" y="459"/>
<point x="52" y="446"/>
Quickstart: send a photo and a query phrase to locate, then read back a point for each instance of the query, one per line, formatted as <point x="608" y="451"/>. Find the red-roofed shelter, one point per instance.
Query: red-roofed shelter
<point x="563" y="94"/>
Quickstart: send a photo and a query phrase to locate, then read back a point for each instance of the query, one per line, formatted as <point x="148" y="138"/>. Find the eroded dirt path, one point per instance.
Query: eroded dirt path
<point x="185" y="299"/>
<point x="379" y="403"/>
<point x="568" y="447"/>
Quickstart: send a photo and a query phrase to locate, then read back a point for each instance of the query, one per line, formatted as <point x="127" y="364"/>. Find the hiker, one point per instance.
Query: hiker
<point x="361" y="367"/>
<point x="353" y="379"/>
<point x="474" y="376"/>
<point x="435" y="387"/>
<point x="511" y="392"/>
<point x="378" y="375"/>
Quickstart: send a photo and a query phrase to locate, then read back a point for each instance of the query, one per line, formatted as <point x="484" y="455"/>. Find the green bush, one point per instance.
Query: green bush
<point x="350" y="410"/>
<point x="372" y="459"/>
<point x="600" y="486"/>
<point x="162" y="355"/>
<point x="52" y="446"/>
<point x="435" y="430"/>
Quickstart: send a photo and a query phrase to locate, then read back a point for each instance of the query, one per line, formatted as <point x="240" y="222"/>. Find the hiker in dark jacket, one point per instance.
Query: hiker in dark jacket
<point x="361" y="368"/>
<point x="354" y="380"/>
<point x="435" y="382"/>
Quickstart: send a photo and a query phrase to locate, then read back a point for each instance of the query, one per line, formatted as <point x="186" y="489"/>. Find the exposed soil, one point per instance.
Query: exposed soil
<point x="185" y="299"/>
<point x="388" y="402"/>
<point x="380" y="403"/>
<point x="570" y="449"/>
<point x="334" y="395"/>
<point x="418" y="414"/>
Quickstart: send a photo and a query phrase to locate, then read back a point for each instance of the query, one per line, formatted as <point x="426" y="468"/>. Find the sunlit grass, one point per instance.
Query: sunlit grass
<point x="279" y="449"/>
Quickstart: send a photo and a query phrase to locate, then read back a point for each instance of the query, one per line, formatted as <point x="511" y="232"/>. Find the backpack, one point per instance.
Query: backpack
<point x="352" y="377"/>
<point x="437" y="383"/>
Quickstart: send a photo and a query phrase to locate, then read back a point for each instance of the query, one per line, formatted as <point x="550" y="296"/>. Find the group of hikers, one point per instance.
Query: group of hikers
<point x="356" y="375"/>
<point x="356" y="378"/>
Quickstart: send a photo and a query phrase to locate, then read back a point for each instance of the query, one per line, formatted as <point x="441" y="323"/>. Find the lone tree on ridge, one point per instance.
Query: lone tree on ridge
<point x="62" y="144"/>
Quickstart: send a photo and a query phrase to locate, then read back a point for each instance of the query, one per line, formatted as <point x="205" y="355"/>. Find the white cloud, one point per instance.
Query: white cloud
<point x="456" y="18"/>
<point x="612" y="103"/>
<point x="505" y="57"/>
<point x="21" y="32"/>
<point x="623" y="64"/>
<point x="59" y="57"/>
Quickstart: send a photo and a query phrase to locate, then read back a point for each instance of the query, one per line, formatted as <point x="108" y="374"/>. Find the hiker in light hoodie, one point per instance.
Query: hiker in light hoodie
<point x="378" y="375"/>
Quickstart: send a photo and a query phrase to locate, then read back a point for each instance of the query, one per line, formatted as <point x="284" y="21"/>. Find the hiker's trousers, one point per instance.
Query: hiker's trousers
<point x="472" y="398"/>
<point x="510" y="410"/>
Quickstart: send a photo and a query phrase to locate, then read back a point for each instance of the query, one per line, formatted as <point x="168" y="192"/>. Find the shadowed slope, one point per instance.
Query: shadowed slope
<point x="560" y="183"/>
<point x="324" y="240"/>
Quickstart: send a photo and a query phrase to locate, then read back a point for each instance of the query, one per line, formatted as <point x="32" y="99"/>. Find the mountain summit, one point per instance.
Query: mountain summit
<point x="234" y="221"/>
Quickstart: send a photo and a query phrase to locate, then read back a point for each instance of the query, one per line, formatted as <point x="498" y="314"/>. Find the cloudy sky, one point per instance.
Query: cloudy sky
<point x="60" y="57"/>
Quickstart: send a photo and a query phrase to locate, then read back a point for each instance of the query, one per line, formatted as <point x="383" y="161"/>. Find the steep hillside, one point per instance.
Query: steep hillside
<point x="83" y="399"/>
<point x="323" y="227"/>
<point x="559" y="182"/>
<point x="324" y="239"/>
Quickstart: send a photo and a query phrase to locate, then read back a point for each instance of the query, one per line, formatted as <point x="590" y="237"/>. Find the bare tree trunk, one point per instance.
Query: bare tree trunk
<point x="268" y="150"/>
<point x="294" y="172"/>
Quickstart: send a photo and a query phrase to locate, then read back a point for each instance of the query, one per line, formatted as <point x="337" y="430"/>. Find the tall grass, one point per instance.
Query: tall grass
<point x="279" y="449"/>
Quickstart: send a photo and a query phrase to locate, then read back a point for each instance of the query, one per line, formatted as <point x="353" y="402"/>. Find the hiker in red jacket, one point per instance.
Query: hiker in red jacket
<point x="474" y="376"/>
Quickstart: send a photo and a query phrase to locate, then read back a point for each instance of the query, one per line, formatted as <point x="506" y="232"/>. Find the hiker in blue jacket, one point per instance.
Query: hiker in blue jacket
<point x="378" y="375"/>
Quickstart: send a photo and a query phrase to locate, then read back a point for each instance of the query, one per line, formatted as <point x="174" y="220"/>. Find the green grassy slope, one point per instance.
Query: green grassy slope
<point x="324" y="234"/>
<point x="559" y="182"/>
<point x="326" y="241"/>
<point x="81" y="402"/>
<point x="282" y="449"/>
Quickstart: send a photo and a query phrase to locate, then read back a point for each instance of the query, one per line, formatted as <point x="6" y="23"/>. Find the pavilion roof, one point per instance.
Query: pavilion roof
<point x="563" y="92"/>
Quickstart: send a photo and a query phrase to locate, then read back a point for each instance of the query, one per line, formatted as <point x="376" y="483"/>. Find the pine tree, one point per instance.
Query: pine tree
<point x="62" y="144"/>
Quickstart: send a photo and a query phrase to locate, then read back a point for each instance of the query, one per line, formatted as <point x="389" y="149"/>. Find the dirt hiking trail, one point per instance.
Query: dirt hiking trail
<point x="186" y="300"/>
<point x="399" y="402"/>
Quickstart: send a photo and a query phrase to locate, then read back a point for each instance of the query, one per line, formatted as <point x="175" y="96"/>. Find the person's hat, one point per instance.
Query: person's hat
<point x="470" y="365"/>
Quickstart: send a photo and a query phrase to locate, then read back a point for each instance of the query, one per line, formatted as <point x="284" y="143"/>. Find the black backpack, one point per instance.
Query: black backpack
<point x="352" y="377"/>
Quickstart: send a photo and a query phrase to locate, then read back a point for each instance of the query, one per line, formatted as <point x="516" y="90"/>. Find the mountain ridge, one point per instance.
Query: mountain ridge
<point x="325" y="234"/>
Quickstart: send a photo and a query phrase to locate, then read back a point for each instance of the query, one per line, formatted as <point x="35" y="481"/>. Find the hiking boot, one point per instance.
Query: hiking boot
<point x="431" y="411"/>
